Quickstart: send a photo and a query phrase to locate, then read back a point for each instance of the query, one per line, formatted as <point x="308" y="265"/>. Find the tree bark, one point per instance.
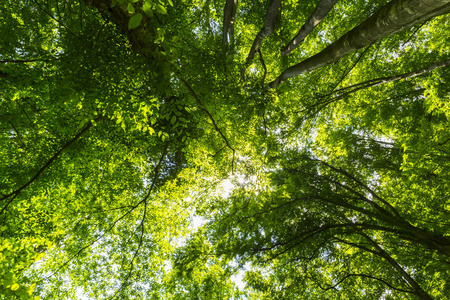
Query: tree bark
<point x="395" y="16"/>
<point x="229" y="15"/>
<point x="271" y="16"/>
<point x="431" y="240"/>
<point x="141" y="38"/>
<point x="321" y="11"/>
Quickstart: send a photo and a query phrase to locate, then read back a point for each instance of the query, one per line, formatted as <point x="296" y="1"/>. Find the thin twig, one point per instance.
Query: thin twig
<point x="263" y="64"/>
<point x="144" y="200"/>
<point x="17" y="133"/>
<point x="23" y="110"/>
<point x="47" y="164"/>
<point x="200" y="105"/>
<point x="21" y="60"/>
<point x="414" y="33"/>
<point x="157" y="168"/>
<point x="351" y="68"/>
<point x="58" y="21"/>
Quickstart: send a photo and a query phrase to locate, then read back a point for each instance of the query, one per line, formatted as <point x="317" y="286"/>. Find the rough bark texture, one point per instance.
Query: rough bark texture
<point x="229" y="15"/>
<point x="321" y="11"/>
<point x="392" y="18"/>
<point x="269" y="23"/>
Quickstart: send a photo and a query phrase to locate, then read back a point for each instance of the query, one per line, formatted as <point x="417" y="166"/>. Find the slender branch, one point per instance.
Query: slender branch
<point x="356" y="245"/>
<point x="370" y="277"/>
<point x="23" y="110"/>
<point x="359" y="195"/>
<point x="17" y="133"/>
<point x="91" y="243"/>
<point x="21" y="60"/>
<point x="271" y="16"/>
<point x="444" y="142"/>
<point x="315" y="231"/>
<point x="382" y="80"/>
<point x="355" y="208"/>
<point x="47" y="164"/>
<point x="351" y="68"/>
<point x="200" y="105"/>
<point x="418" y="290"/>
<point x="57" y="21"/>
<point x="414" y="33"/>
<point x="135" y="253"/>
<point x="364" y="186"/>
<point x="261" y="59"/>
<point x="272" y="209"/>
<point x="220" y="150"/>
<point x="100" y="211"/>
<point x="156" y="170"/>
<point x="321" y="11"/>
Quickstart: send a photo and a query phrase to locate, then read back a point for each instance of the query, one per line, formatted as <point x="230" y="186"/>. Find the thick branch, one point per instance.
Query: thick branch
<point x="321" y="11"/>
<point x="394" y="17"/>
<point x="271" y="16"/>
<point x="229" y="14"/>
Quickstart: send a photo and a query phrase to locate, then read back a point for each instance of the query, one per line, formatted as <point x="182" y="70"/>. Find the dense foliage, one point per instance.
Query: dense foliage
<point x="155" y="149"/>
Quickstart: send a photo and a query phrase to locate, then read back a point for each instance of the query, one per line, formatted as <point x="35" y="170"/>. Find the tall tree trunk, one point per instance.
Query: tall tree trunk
<point x="269" y="23"/>
<point x="229" y="14"/>
<point x="395" y="16"/>
<point x="321" y="11"/>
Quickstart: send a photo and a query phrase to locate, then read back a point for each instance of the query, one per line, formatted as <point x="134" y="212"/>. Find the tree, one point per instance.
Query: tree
<point x="122" y="121"/>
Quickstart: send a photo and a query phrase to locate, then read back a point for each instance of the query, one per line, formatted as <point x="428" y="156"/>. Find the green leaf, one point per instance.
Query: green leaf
<point x="130" y="8"/>
<point x="15" y="287"/>
<point x="173" y="120"/>
<point x="170" y="2"/>
<point x="147" y="8"/>
<point x="135" y="21"/>
<point x="161" y="9"/>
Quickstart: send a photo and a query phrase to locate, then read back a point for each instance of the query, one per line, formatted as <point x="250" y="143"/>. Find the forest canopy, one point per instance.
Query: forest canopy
<point x="176" y="149"/>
